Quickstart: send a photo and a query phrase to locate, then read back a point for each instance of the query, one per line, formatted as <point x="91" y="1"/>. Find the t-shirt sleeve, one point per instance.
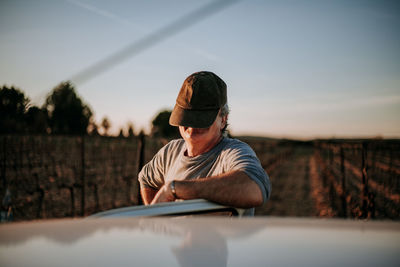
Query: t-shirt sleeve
<point x="240" y="156"/>
<point x="152" y="174"/>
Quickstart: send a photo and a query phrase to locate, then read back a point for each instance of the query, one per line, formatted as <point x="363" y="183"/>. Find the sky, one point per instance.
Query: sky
<point x="294" y="69"/>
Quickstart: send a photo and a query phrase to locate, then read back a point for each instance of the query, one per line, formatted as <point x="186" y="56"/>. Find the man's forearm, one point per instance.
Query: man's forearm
<point x="147" y="194"/>
<point x="233" y="189"/>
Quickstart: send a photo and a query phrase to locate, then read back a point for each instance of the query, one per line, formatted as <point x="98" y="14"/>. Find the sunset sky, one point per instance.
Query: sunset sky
<point x="297" y="69"/>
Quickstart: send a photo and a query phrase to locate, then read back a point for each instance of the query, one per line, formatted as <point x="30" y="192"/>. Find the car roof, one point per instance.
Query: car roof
<point x="205" y="240"/>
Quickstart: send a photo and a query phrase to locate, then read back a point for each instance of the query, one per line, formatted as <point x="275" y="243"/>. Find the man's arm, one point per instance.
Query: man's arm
<point x="234" y="189"/>
<point x="148" y="194"/>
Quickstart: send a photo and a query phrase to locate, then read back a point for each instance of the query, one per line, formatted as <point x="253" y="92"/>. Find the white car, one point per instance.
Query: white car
<point x="122" y="238"/>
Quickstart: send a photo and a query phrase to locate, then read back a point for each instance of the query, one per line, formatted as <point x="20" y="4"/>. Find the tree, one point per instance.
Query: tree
<point x="93" y="129"/>
<point x="13" y="105"/>
<point x="121" y="133"/>
<point x="66" y="111"/>
<point x="105" y="123"/>
<point x="161" y="126"/>
<point x="131" y="132"/>
<point x="36" y="120"/>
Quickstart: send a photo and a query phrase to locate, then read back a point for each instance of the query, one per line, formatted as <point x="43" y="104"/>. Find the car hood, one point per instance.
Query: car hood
<point x="200" y="241"/>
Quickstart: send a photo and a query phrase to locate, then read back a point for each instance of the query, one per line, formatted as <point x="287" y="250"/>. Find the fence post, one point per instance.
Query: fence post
<point x="6" y="212"/>
<point x="83" y="180"/>
<point x="391" y="161"/>
<point x="140" y="162"/>
<point x="3" y="169"/>
<point x="325" y="165"/>
<point x="364" y="193"/>
<point x="342" y="167"/>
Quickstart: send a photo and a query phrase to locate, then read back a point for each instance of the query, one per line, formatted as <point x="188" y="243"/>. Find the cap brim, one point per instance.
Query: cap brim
<point x="192" y="118"/>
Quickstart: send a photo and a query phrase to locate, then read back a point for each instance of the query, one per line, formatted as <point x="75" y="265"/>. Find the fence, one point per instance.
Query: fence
<point x="64" y="176"/>
<point x="362" y="178"/>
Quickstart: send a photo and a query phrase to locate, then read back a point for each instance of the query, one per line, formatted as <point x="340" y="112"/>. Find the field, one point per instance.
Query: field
<point x="61" y="176"/>
<point x="333" y="178"/>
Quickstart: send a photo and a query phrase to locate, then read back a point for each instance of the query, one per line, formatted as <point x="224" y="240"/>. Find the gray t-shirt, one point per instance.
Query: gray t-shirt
<point x="171" y="163"/>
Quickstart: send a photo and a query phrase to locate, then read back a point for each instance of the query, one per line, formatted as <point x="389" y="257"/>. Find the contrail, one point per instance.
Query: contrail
<point x="125" y="22"/>
<point x="103" y="13"/>
<point x="150" y="40"/>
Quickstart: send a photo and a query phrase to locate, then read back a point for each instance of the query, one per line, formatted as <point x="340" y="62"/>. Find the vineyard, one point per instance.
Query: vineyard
<point x="347" y="178"/>
<point x="63" y="176"/>
<point x="361" y="178"/>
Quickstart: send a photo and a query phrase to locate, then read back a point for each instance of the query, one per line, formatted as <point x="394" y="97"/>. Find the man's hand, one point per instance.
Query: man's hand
<point x="164" y="194"/>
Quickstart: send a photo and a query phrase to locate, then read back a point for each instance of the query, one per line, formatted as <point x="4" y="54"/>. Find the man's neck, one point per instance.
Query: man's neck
<point x="195" y="149"/>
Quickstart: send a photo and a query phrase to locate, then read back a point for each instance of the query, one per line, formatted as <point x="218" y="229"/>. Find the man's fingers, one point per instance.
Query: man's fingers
<point x="163" y="195"/>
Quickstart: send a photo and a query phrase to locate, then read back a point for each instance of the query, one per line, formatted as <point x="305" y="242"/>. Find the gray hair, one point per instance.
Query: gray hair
<point x="224" y="111"/>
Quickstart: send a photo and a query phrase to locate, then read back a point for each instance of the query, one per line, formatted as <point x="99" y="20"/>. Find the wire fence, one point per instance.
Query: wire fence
<point x="69" y="176"/>
<point x="362" y="177"/>
<point x="65" y="176"/>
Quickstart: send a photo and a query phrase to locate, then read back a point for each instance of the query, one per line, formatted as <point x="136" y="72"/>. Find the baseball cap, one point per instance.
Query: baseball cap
<point x="199" y="100"/>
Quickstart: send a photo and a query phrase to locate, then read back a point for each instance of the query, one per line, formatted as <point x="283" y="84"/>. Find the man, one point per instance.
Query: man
<point x="204" y="164"/>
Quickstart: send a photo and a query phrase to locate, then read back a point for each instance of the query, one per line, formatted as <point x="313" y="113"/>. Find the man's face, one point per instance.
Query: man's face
<point x="203" y="135"/>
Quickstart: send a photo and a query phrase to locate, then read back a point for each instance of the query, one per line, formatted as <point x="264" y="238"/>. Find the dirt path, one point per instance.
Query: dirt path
<point x="291" y="194"/>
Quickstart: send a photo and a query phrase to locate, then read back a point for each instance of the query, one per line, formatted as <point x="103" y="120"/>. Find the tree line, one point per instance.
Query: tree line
<point x="63" y="112"/>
